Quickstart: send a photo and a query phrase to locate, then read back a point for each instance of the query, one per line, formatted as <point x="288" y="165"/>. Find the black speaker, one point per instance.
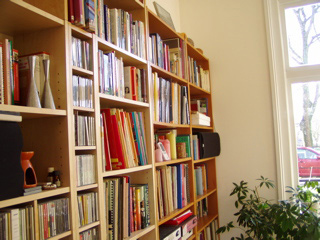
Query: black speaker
<point x="11" y="173"/>
<point x="209" y="144"/>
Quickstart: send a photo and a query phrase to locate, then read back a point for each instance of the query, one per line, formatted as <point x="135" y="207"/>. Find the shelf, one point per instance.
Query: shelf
<point x="203" y="222"/>
<point x="137" y="234"/>
<point x="205" y="194"/>
<point x="169" y="125"/>
<point x="195" y="90"/>
<point x="128" y="58"/>
<point x="164" y="163"/>
<point x="157" y="25"/>
<point x="81" y="71"/>
<point x="195" y="53"/>
<point x="203" y="160"/>
<point x="201" y="127"/>
<point x="18" y="17"/>
<point x="127" y="5"/>
<point x="114" y="101"/>
<point x="32" y="197"/>
<point x="32" y="112"/>
<point x="168" y="75"/>
<point x="83" y="109"/>
<point x="84" y="148"/>
<point x="80" y="33"/>
<point x="61" y="236"/>
<point x="174" y="214"/>
<point x="87" y="187"/>
<point x="88" y="226"/>
<point x="126" y="171"/>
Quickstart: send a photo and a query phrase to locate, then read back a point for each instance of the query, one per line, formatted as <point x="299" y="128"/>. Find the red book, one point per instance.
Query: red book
<point x="120" y="163"/>
<point x="111" y="137"/>
<point x="134" y="83"/>
<point x="179" y="219"/>
<point x="16" y="85"/>
<point x="106" y="142"/>
<point x="70" y="11"/>
<point x="78" y="7"/>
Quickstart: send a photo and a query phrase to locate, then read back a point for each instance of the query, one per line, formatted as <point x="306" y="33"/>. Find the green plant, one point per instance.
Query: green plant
<point x="291" y="219"/>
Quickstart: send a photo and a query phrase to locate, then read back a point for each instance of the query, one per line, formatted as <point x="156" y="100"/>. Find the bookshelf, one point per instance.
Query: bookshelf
<point x="36" y="26"/>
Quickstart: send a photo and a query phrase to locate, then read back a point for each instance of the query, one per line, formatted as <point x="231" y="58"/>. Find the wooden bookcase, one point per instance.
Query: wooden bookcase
<point x="36" y="26"/>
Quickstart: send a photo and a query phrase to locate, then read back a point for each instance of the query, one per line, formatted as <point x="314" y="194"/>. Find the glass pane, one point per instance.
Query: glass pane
<point x="306" y="108"/>
<point x="303" y="31"/>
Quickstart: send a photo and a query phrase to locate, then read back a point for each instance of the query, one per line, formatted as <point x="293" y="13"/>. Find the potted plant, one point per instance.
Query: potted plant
<point x="259" y="218"/>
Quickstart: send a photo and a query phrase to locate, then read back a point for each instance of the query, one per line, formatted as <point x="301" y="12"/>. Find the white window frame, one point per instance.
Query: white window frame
<point x="282" y="76"/>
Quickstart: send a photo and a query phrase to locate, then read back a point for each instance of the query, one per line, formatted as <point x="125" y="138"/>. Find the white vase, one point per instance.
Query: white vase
<point x="47" y="98"/>
<point x="33" y="99"/>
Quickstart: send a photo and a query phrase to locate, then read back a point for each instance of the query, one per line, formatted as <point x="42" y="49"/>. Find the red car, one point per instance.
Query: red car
<point x="308" y="162"/>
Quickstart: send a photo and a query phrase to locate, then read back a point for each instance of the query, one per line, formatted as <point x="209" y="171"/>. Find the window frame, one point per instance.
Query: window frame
<point x="281" y="77"/>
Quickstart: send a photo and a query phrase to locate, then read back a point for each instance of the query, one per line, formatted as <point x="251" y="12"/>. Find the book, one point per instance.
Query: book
<point x="185" y="139"/>
<point x="168" y="232"/>
<point x="179" y="219"/>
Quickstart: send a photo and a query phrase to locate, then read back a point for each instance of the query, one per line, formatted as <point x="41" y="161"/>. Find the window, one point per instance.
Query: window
<point x="294" y="49"/>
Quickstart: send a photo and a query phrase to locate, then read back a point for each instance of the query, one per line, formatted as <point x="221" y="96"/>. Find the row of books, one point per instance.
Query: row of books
<point x="115" y="79"/>
<point x="87" y="208"/>
<point x="81" y="54"/>
<point x="123" y="139"/>
<point x="17" y="223"/>
<point x="82" y="91"/>
<point x="175" y="146"/>
<point x="9" y="89"/>
<point x="85" y="169"/>
<point x="168" y="54"/>
<point x="209" y="233"/>
<point x="200" y="105"/>
<point x="91" y="234"/>
<point x="127" y="207"/>
<point x="114" y="25"/>
<point x="197" y="75"/>
<point x="170" y="101"/>
<point x="172" y="188"/>
<point x="84" y="130"/>
<point x="202" y="208"/>
<point x="200" y="173"/>
<point x="118" y="27"/>
<point x="53" y="217"/>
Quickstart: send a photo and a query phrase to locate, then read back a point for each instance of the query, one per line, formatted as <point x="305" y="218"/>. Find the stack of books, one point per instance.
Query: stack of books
<point x="180" y="227"/>
<point x="33" y="190"/>
<point x="201" y="119"/>
<point x="127" y="207"/>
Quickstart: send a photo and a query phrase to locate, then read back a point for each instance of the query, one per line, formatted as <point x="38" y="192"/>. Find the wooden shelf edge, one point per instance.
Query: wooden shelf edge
<point x="60" y="236"/>
<point x="197" y="51"/>
<point x="170" y="125"/>
<point x="169" y="74"/>
<point x="120" y="50"/>
<point x="83" y="109"/>
<point x="125" y="171"/>
<point x="205" y="194"/>
<point x="203" y="160"/>
<point x="198" y="89"/>
<point x="137" y="234"/>
<point x="104" y="96"/>
<point x="201" y="127"/>
<point x="78" y="70"/>
<point x="174" y="214"/>
<point x="80" y="31"/>
<point x="87" y="187"/>
<point x="84" y="148"/>
<point x="164" y="163"/>
<point x="88" y="226"/>
<point x="32" y="112"/>
<point x="203" y="222"/>
<point x="32" y="197"/>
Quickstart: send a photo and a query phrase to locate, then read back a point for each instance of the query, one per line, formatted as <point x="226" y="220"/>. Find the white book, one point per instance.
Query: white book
<point x="15" y="226"/>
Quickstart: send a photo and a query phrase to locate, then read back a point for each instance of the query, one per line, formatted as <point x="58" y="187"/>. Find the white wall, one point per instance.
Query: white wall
<point x="172" y="6"/>
<point x="233" y="36"/>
